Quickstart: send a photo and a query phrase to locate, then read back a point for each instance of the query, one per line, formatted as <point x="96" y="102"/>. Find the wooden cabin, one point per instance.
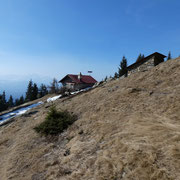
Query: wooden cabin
<point x="77" y="82"/>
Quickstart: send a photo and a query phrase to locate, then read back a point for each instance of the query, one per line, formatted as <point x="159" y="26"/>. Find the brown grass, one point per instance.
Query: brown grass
<point x="127" y="129"/>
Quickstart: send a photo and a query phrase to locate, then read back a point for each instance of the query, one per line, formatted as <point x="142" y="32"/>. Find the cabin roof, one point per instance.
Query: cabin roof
<point x="156" y="54"/>
<point x="86" y="79"/>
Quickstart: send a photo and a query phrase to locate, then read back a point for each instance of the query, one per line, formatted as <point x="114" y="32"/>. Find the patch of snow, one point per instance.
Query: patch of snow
<point x="82" y="90"/>
<point x="53" y="98"/>
<point x="12" y="114"/>
<point x="22" y="111"/>
<point x="8" y="117"/>
<point x="86" y="89"/>
<point x="75" y="92"/>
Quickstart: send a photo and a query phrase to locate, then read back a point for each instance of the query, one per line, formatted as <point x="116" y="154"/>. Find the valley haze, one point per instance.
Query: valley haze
<point x="16" y="85"/>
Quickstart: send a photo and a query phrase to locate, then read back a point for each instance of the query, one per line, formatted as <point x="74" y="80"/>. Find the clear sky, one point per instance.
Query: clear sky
<point x="51" y="38"/>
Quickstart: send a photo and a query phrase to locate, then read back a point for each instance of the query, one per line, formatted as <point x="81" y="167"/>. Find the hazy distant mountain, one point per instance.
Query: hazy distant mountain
<point x="16" y="85"/>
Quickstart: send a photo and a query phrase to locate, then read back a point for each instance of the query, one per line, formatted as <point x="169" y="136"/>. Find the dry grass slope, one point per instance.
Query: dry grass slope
<point x="128" y="129"/>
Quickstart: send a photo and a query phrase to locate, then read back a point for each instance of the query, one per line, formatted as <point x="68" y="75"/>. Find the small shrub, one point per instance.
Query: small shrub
<point x="55" y="122"/>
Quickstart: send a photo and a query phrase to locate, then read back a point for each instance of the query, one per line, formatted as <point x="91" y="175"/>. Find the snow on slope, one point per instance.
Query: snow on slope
<point x="6" y="117"/>
<point x="53" y="98"/>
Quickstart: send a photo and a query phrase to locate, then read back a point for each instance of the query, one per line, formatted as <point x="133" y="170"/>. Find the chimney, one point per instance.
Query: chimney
<point x="79" y="76"/>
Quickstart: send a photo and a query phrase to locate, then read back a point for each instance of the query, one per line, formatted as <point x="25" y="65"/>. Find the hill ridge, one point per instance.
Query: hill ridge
<point x="126" y="129"/>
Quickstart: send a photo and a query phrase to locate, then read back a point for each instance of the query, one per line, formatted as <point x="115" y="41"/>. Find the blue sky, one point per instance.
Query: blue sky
<point x="50" y="38"/>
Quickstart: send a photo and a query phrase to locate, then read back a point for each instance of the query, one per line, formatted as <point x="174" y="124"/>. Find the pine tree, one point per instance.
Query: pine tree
<point x="10" y="101"/>
<point x="169" y="56"/>
<point x="34" y="92"/>
<point x="122" y="70"/>
<point x="115" y="75"/>
<point x="21" y="100"/>
<point x="105" y="79"/>
<point x="4" y="97"/>
<point x="29" y="93"/>
<point x="54" y="87"/>
<point x="3" y="103"/>
<point x="4" y="100"/>
<point x="43" y="90"/>
<point x="17" y="103"/>
<point x="140" y="57"/>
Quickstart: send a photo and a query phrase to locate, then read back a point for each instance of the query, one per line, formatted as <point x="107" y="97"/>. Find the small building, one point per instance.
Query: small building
<point x="146" y="63"/>
<point x="77" y="82"/>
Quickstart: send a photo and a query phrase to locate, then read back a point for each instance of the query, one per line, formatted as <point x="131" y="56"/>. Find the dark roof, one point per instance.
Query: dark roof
<point x="84" y="79"/>
<point x="156" y="54"/>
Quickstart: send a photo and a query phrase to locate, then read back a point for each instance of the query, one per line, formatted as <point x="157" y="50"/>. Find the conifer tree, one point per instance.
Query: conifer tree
<point x="54" y="87"/>
<point x="29" y="93"/>
<point x="3" y="103"/>
<point x="115" y="75"/>
<point x="140" y="57"/>
<point x="10" y="101"/>
<point x="21" y="100"/>
<point x="122" y="70"/>
<point x="169" y="56"/>
<point x="43" y="90"/>
<point x="17" y="102"/>
<point x="105" y="79"/>
<point x="4" y="97"/>
<point x="4" y="100"/>
<point x="34" y="91"/>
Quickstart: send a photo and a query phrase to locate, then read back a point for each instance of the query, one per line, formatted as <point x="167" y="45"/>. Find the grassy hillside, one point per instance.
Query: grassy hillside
<point x="127" y="129"/>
